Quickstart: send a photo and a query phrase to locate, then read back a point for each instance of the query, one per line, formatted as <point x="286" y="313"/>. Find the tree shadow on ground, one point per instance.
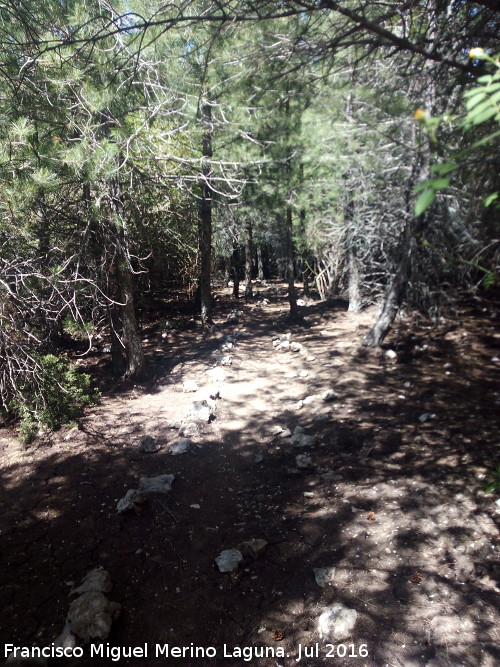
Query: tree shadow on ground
<point x="389" y="501"/>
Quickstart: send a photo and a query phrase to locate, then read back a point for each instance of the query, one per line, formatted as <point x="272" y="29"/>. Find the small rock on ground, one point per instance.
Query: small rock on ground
<point x="66" y="639"/>
<point x="229" y="560"/>
<point x="303" y="461"/>
<point x="160" y="484"/>
<point x="323" y="575"/>
<point x="91" y="615"/>
<point x="189" y="430"/>
<point x="302" y="440"/>
<point x="337" y="622"/>
<point x="96" y="580"/>
<point x="181" y="446"/>
<point x="130" y="501"/>
<point x="253" y="548"/>
<point x="189" y="385"/>
<point x="149" y="445"/>
<point x="331" y="476"/>
<point x="202" y="410"/>
<point x="216" y="374"/>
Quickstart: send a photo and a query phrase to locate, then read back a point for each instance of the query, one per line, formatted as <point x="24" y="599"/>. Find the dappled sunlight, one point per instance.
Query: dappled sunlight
<point x="389" y="502"/>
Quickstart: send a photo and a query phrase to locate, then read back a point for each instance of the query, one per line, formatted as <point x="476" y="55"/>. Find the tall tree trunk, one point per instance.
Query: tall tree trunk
<point x="205" y="223"/>
<point x="393" y="297"/>
<point x="130" y="331"/>
<point x="227" y="270"/>
<point x="303" y="265"/>
<point x="236" y="270"/>
<point x="396" y="290"/>
<point x="260" y="264"/>
<point x="305" y="274"/>
<point x="126" y="346"/>
<point x="354" y="283"/>
<point x="290" y="267"/>
<point x="117" y="351"/>
<point x="354" y="273"/>
<point x="248" y="260"/>
<point x="52" y="328"/>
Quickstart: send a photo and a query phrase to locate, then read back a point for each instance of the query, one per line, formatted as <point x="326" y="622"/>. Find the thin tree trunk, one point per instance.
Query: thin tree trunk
<point x="354" y="283"/>
<point x="393" y="297"/>
<point x="123" y="322"/>
<point x="205" y="224"/>
<point x="227" y="270"/>
<point x="292" y="296"/>
<point x="117" y="352"/>
<point x="130" y="331"/>
<point x="248" y="260"/>
<point x="305" y="275"/>
<point x="260" y="264"/>
<point x="304" y="265"/>
<point x="395" y="293"/>
<point x="236" y="270"/>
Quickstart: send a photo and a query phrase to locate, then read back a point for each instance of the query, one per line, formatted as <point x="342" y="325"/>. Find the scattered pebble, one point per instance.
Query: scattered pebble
<point x="323" y="576"/>
<point x="337" y="622"/>
<point x="229" y="560"/>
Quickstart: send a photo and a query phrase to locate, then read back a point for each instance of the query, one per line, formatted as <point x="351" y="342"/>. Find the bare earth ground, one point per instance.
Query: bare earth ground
<point x="405" y="522"/>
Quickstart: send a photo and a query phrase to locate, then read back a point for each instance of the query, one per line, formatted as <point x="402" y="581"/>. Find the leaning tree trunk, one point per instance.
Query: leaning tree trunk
<point x="205" y="224"/>
<point x="290" y="265"/>
<point x="393" y="297"/>
<point x="396" y="290"/>
<point x="248" y="261"/>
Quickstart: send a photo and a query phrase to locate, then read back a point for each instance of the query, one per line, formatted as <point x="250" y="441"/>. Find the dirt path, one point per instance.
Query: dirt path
<point x="393" y="498"/>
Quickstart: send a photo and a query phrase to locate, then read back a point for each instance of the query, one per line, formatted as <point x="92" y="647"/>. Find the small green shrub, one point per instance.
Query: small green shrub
<point x="493" y="485"/>
<point x="54" y="395"/>
<point x="27" y="429"/>
<point x="77" y="330"/>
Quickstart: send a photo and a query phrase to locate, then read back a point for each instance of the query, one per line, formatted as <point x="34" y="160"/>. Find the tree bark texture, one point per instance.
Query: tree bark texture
<point x="260" y="264"/>
<point x="205" y="223"/>
<point x="290" y="265"/>
<point x="236" y="270"/>
<point x="304" y="267"/>
<point x="396" y="290"/>
<point x="130" y="331"/>
<point x="248" y="261"/>
<point x="354" y="288"/>
<point x="305" y="275"/>
<point x="126" y="345"/>
<point x="393" y="297"/>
